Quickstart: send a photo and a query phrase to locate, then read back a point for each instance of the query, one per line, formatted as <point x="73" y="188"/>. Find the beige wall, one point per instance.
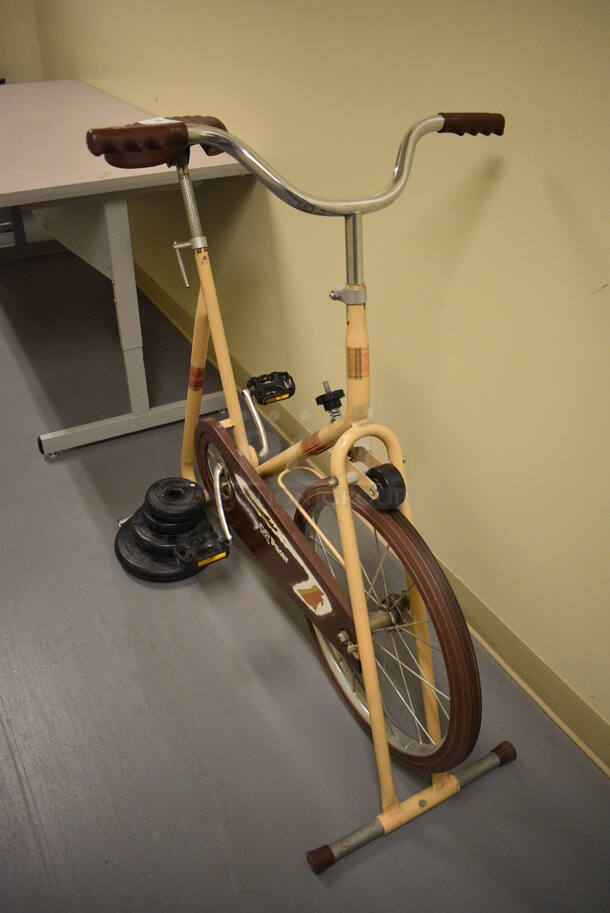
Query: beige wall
<point x="19" y="51"/>
<point x="487" y="281"/>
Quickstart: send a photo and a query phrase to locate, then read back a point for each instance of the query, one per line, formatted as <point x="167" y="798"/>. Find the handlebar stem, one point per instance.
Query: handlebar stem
<point x="353" y="249"/>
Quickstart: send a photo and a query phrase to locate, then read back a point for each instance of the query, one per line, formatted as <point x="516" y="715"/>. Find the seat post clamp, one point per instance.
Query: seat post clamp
<point x="349" y="294"/>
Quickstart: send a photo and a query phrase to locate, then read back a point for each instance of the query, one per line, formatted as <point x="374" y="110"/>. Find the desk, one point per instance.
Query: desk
<point x="46" y="168"/>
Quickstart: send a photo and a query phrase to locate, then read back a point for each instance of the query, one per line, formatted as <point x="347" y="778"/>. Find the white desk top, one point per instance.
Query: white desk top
<point x="43" y="154"/>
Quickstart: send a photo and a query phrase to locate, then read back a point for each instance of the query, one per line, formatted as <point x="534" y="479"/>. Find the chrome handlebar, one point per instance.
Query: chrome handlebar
<point x="167" y="140"/>
<point x="252" y="162"/>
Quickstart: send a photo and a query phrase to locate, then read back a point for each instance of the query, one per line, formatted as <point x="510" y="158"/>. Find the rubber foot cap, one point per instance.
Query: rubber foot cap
<point x="506" y="752"/>
<point x="321" y="859"/>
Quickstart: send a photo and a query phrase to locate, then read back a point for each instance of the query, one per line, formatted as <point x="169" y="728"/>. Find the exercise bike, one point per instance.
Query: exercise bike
<point x="381" y="611"/>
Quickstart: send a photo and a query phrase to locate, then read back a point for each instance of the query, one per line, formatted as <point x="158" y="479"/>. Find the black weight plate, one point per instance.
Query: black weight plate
<point x="169" y="528"/>
<point x="159" y="543"/>
<point x="145" y="565"/>
<point x="174" y="499"/>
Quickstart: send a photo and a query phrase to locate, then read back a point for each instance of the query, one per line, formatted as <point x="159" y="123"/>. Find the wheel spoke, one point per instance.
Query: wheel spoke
<point x="404" y="681"/>
<point x="416" y="674"/>
<point x="321" y="541"/>
<point x="385" y="584"/>
<point x="414" y="715"/>
<point x="379" y="568"/>
<point x="424" y="679"/>
<point x="331" y="556"/>
<point x="409" y="624"/>
<point x="388" y="719"/>
<point x="371" y="589"/>
<point x="416" y="637"/>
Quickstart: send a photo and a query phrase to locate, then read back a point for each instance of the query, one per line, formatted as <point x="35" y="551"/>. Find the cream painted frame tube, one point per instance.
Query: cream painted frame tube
<point x="339" y="463"/>
<point x="208" y="321"/>
<point x="199" y="352"/>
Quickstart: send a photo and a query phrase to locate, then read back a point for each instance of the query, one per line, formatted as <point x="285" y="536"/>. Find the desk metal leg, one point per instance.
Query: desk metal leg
<point x="55" y="441"/>
<point x="126" y="301"/>
<point x="97" y="230"/>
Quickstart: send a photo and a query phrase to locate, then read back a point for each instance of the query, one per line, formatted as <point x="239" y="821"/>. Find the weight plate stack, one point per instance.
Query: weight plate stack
<point x="169" y="537"/>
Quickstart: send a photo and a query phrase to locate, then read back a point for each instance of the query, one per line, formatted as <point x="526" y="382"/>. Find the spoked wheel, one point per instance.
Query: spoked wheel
<point x="425" y="659"/>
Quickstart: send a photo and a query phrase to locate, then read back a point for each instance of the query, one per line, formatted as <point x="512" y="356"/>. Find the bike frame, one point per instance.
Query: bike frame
<point x="340" y="437"/>
<point x="168" y="140"/>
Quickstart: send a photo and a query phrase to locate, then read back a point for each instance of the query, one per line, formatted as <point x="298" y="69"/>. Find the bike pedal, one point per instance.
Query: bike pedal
<point x="201" y="550"/>
<point x="272" y="387"/>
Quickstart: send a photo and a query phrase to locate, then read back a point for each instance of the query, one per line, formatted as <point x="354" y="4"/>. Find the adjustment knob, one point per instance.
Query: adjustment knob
<point x="331" y="401"/>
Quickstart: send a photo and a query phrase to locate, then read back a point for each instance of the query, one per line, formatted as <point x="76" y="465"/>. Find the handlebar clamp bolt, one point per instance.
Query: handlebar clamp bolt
<point x="349" y="294"/>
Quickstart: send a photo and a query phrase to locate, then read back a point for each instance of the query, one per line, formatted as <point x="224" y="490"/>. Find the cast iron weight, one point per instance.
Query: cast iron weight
<point x="169" y="537"/>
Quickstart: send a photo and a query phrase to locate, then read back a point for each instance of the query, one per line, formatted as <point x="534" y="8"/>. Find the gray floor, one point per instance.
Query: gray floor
<point x="178" y="749"/>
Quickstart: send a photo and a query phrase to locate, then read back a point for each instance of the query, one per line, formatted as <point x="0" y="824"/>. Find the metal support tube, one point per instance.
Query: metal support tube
<point x="263" y="453"/>
<point x="218" y="470"/>
<point x="357" y="838"/>
<point x="188" y="198"/>
<point x="502" y="754"/>
<point x="477" y="769"/>
<point x="325" y="856"/>
<point x="353" y="249"/>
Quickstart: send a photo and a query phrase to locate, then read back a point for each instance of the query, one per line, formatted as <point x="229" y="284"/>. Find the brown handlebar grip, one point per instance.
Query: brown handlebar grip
<point x="473" y="124"/>
<point x="143" y="145"/>
<point x="137" y="137"/>
<point x="206" y="120"/>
